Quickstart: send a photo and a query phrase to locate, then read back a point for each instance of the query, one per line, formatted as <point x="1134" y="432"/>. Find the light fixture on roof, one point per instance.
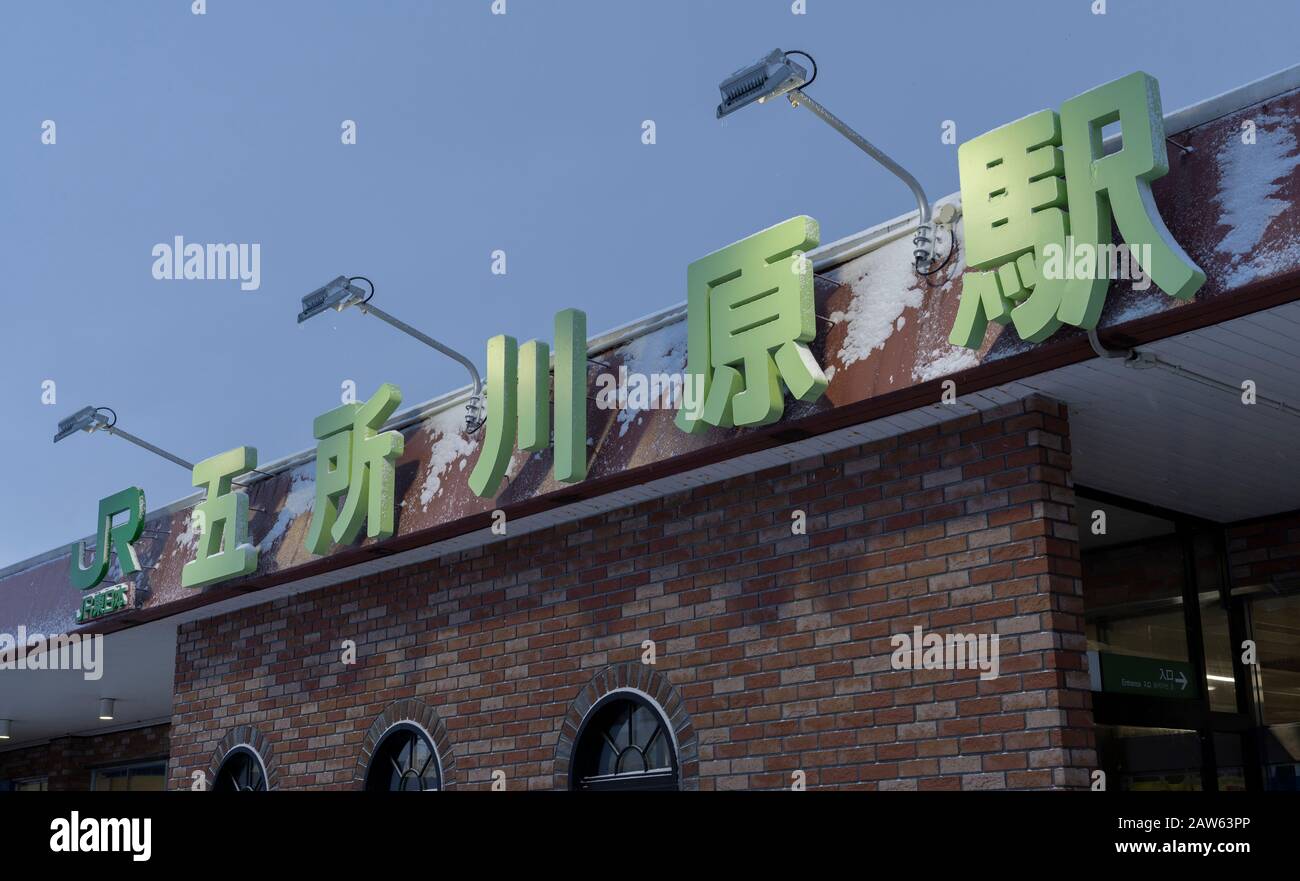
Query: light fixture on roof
<point x="341" y="293"/>
<point x="92" y="419"/>
<point x="106" y="707"/>
<point x="85" y="419"/>
<point x="769" y="77"/>
<point x="337" y="295"/>
<point x="775" y="75"/>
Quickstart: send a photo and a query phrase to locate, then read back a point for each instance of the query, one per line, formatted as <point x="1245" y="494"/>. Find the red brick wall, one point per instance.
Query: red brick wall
<point x="773" y="648"/>
<point x="69" y="762"/>
<point x="1265" y="551"/>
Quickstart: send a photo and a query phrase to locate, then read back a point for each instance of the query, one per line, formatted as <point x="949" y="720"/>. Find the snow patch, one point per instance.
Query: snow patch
<point x="449" y="445"/>
<point x="885" y="287"/>
<point x="299" y="500"/>
<point x="189" y="539"/>
<point x="944" y="363"/>
<point x="663" y="351"/>
<point x="1140" y="307"/>
<point x="1250" y="177"/>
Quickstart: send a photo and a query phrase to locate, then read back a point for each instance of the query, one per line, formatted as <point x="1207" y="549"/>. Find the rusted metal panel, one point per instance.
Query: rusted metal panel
<point x="882" y="336"/>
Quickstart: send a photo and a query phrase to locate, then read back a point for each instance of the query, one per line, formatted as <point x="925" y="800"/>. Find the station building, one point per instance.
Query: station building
<point x="723" y="609"/>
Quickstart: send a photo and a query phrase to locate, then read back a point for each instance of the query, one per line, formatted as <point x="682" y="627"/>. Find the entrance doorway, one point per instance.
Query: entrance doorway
<point x="1176" y="703"/>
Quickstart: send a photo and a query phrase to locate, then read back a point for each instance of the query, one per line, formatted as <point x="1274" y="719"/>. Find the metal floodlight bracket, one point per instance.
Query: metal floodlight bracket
<point x="342" y="293"/>
<point x="90" y="420"/>
<point x="770" y="77"/>
<point x="777" y="75"/>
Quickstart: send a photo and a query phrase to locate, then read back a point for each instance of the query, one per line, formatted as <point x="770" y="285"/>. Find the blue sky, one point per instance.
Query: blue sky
<point x="475" y="132"/>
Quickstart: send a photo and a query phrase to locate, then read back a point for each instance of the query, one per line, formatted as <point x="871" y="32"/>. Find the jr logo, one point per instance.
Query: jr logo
<point x="120" y="538"/>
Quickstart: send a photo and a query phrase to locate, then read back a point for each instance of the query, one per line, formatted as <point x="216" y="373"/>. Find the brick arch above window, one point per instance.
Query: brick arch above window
<point x="249" y="737"/>
<point x="650" y="683"/>
<point x="415" y="712"/>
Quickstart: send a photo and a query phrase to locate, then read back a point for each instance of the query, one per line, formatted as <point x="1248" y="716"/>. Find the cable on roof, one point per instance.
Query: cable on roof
<point x="952" y="249"/>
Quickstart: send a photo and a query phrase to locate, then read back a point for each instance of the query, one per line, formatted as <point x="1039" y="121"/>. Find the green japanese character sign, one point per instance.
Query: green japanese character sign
<point x="105" y="602"/>
<point x="1039" y="196"/>
<point x="354" y="459"/>
<point x="749" y="319"/>
<point x="119" y="539"/>
<point x="223" y="550"/>
<point x="519" y="403"/>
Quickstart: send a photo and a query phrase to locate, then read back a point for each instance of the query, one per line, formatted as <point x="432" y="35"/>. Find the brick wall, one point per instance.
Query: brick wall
<point x="773" y="649"/>
<point x="69" y="762"/>
<point x="1265" y="551"/>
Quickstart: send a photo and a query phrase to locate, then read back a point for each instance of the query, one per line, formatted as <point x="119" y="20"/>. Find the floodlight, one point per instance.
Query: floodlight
<point x="337" y="295"/>
<point x="91" y="419"/>
<point x="106" y="707"/>
<point x="6" y="728"/>
<point x="770" y="77"/>
<point x="85" y="419"/>
<point x="774" y="75"/>
<point x="342" y="293"/>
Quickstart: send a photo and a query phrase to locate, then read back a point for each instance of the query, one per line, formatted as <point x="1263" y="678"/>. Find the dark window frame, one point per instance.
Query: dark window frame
<point x="646" y="781"/>
<point x="385" y="741"/>
<point x="236" y="753"/>
<point x="129" y="768"/>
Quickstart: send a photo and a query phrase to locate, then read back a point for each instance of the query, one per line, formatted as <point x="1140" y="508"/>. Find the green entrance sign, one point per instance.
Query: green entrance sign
<point x="1041" y="192"/>
<point x="1154" y="677"/>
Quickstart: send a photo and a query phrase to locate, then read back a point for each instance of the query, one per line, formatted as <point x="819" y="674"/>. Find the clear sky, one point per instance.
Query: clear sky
<point x="474" y="132"/>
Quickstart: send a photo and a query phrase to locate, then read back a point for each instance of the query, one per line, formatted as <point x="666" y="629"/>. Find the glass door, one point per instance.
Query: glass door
<point x="1273" y="623"/>
<point x="1171" y="699"/>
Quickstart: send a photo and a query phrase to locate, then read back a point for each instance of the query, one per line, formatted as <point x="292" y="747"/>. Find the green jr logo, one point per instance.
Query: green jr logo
<point x="120" y="539"/>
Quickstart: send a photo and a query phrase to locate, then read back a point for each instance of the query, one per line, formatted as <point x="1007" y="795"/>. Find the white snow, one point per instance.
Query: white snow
<point x="449" y="445"/>
<point x="660" y="352"/>
<point x="1148" y="304"/>
<point x="188" y="540"/>
<point x="1251" y="175"/>
<point x="954" y="359"/>
<point x="885" y="287"/>
<point x="300" y="498"/>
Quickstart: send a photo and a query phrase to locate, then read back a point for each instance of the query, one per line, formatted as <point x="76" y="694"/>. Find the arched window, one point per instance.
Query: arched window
<point x="404" y="761"/>
<point x="624" y="743"/>
<point x="241" y="771"/>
